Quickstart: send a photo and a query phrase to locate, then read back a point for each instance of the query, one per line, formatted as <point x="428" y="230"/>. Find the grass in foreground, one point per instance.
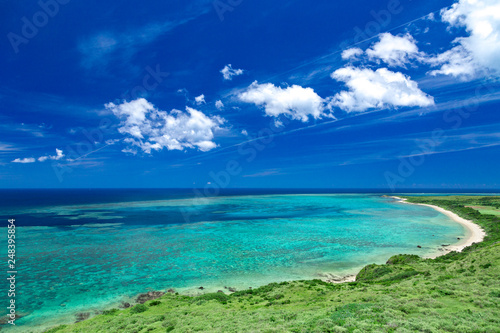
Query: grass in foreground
<point x="458" y="292"/>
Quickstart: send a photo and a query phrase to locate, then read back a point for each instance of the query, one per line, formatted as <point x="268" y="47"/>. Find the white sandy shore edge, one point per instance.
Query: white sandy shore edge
<point x="476" y="233"/>
<point x="332" y="278"/>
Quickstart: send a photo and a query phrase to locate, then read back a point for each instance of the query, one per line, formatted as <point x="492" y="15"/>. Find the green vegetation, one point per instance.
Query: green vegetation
<point x="487" y="210"/>
<point x="458" y="292"/>
<point x="139" y="308"/>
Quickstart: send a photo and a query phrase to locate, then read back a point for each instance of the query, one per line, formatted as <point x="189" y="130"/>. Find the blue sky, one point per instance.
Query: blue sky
<point x="237" y="93"/>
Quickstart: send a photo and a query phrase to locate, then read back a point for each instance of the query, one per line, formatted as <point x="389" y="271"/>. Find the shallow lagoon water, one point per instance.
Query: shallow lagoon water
<point x="92" y="256"/>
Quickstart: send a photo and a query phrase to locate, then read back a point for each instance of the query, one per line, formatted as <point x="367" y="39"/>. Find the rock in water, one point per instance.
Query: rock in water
<point x="81" y="316"/>
<point x="125" y="305"/>
<point x="142" y="298"/>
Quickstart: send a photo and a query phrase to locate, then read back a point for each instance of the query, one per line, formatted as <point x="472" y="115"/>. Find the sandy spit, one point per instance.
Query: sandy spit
<point x="476" y="233"/>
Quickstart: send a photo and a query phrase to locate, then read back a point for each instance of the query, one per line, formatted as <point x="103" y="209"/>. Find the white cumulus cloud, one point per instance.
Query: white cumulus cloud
<point x="59" y="154"/>
<point x="24" y="160"/>
<point x="228" y="72"/>
<point x="200" y="99"/>
<point x="295" y="102"/>
<point x="369" y="89"/>
<point x="352" y="53"/>
<point x="148" y="128"/>
<point x="457" y="62"/>
<point x="219" y="105"/>
<point x="394" y="50"/>
<point x="480" y="50"/>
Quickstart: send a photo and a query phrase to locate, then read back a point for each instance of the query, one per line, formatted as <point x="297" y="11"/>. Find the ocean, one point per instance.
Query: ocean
<point x="89" y="250"/>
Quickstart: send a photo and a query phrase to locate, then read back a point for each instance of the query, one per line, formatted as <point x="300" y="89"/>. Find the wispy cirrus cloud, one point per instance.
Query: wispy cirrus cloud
<point x="111" y="47"/>
<point x="7" y="148"/>
<point x="105" y="47"/>
<point x="271" y="172"/>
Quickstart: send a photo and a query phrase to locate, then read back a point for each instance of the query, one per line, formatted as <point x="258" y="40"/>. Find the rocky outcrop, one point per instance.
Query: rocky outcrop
<point x="81" y="316"/>
<point x="143" y="298"/>
<point x="125" y="305"/>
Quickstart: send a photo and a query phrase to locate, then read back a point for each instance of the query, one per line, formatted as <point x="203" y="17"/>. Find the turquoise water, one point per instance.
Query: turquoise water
<point x="89" y="257"/>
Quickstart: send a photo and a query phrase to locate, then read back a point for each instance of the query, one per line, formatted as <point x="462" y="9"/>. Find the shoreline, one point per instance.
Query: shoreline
<point x="476" y="233"/>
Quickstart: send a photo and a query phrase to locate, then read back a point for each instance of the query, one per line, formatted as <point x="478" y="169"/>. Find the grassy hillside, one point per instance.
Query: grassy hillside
<point x="453" y="293"/>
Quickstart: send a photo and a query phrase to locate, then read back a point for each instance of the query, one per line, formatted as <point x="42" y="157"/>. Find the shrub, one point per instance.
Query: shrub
<point x="372" y="272"/>
<point x="317" y="282"/>
<point x="110" y="312"/>
<point x="445" y="277"/>
<point x="219" y="297"/>
<point x="407" y="273"/>
<point x="341" y="314"/>
<point x="242" y="293"/>
<point x="403" y="259"/>
<point x="169" y="325"/>
<point x="265" y="289"/>
<point x="138" y="308"/>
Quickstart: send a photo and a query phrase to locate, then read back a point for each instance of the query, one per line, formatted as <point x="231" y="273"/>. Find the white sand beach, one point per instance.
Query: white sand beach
<point x="475" y="233"/>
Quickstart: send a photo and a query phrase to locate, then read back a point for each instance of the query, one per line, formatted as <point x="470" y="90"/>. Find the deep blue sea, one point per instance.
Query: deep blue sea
<point x="88" y="250"/>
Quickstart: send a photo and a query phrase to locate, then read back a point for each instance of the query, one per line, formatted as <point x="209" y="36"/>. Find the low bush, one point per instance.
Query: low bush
<point x="219" y="297"/>
<point x="373" y="272"/>
<point x="138" y="308"/>
<point x="110" y="312"/>
<point x="401" y="259"/>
